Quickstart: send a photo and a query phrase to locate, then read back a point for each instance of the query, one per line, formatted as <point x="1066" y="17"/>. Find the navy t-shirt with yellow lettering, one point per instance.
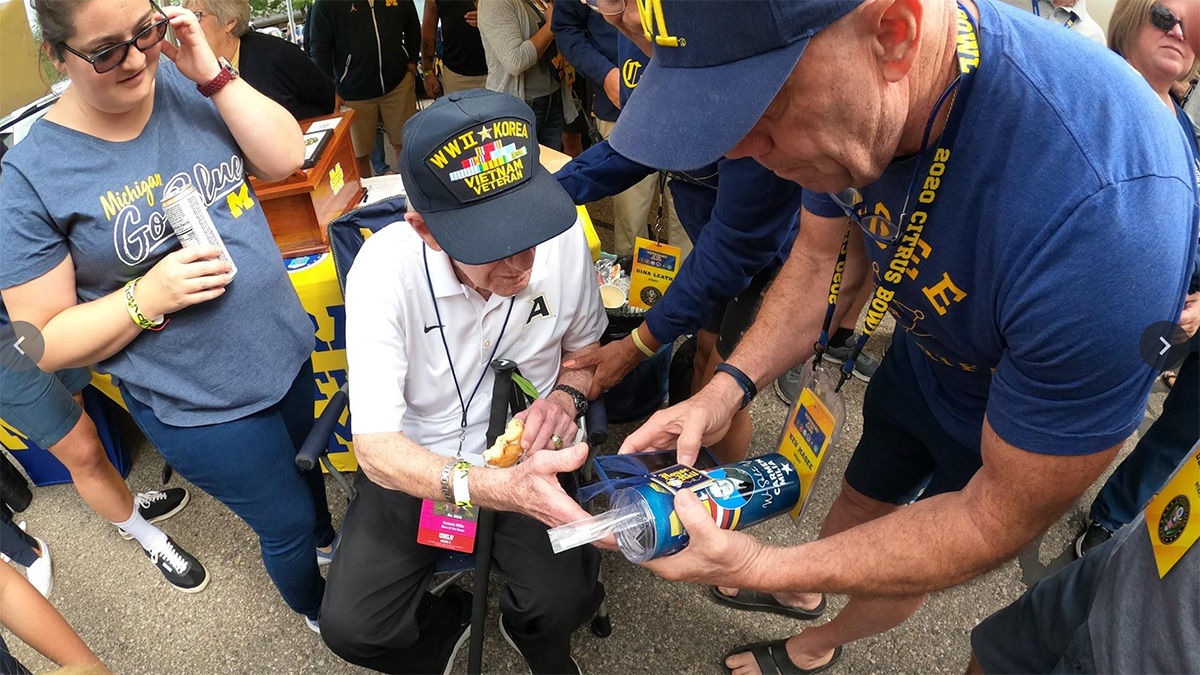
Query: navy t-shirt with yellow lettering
<point x="1059" y="233"/>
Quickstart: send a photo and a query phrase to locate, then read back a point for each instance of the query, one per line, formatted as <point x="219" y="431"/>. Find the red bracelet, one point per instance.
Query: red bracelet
<point x="210" y="88"/>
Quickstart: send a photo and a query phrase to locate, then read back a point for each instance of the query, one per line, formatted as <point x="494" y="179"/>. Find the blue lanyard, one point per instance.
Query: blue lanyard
<point x="890" y="277"/>
<point x="1036" y="10"/>
<point x="464" y="404"/>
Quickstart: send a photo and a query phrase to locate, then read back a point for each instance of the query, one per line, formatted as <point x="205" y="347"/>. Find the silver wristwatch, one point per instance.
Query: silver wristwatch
<point x="447" y="474"/>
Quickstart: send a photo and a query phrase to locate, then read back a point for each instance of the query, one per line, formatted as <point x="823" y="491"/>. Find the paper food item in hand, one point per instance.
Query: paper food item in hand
<point x="506" y="451"/>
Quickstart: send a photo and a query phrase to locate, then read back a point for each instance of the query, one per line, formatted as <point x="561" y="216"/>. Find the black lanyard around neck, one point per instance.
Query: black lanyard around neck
<point x="936" y="173"/>
<point x="464" y="404"/>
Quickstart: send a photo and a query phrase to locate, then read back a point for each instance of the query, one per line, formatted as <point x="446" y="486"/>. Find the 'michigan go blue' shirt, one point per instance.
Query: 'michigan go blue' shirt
<point x="1059" y="234"/>
<point x="65" y="192"/>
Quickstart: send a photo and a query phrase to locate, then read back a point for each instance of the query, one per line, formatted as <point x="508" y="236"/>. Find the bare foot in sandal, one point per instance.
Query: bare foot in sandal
<point x="766" y="659"/>
<point x="804" y="601"/>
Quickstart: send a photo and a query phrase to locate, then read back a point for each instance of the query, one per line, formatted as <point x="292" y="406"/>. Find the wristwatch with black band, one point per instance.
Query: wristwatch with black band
<point x="581" y="402"/>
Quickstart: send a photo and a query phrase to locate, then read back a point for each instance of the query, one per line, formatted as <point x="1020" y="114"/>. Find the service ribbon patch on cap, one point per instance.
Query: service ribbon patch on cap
<point x="484" y="161"/>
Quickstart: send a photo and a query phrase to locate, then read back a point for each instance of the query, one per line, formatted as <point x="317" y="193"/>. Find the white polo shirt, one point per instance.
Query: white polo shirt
<point x="400" y="377"/>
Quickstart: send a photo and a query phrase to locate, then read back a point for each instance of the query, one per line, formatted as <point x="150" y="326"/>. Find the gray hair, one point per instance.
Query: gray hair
<point x="224" y="11"/>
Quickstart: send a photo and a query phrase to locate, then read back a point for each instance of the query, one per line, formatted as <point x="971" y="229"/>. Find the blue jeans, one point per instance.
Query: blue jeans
<point x="1159" y="451"/>
<point x="249" y="465"/>
<point x="379" y="155"/>
<point x="548" y="116"/>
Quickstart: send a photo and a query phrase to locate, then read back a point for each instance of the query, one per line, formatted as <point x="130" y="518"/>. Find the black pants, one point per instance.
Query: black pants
<point x="377" y="612"/>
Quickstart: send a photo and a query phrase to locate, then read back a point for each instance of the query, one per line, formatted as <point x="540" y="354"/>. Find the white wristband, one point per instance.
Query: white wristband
<point x="462" y="495"/>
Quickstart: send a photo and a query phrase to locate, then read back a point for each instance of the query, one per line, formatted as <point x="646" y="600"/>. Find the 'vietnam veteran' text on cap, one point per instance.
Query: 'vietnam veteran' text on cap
<point x="471" y="169"/>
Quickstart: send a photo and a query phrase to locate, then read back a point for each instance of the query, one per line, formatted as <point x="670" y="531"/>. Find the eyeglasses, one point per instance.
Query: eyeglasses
<point x="876" y="227"/>
<point x="1164" y="19"/>
<point x="110" y="57"/>
<point x="607" y="7"/>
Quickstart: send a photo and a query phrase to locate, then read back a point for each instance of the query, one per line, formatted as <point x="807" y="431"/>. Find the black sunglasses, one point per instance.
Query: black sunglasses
<point x="110" y="57"/>
<point x="1164" y="19"/>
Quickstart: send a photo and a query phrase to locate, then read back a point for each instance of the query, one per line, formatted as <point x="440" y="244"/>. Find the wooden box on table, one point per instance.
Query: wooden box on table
<point x="299" y="208"/>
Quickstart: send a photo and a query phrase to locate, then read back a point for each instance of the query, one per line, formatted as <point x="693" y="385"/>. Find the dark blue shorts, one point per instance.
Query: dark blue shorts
<point x="731" y="320"/>
<point x="904" y="453"/>
<point x="40" y="405"/>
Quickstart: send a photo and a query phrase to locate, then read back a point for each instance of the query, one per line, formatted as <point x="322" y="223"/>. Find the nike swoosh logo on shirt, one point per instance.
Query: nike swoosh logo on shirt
<point x="429" y="328"/>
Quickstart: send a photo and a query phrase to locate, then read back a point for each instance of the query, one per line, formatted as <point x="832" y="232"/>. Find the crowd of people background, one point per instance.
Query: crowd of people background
<point x="980" y="428"/>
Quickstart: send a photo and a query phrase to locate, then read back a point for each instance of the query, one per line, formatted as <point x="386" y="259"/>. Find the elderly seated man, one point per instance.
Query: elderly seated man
<point x="490" y="264"/>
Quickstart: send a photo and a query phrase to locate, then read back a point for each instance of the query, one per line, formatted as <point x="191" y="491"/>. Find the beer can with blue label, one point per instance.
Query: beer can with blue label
<point x="736" y="495"/>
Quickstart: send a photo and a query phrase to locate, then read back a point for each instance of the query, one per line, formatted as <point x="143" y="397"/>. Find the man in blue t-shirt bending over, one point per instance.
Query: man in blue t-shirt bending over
<point x="1022" y="254"/>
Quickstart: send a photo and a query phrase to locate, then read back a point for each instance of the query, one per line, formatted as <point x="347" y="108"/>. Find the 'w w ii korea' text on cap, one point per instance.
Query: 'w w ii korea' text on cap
<point x="470" y="168"/>
<point x="717" y="66"/>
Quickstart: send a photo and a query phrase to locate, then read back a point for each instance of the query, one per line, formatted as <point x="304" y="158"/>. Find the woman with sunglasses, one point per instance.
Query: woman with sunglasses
<point x="214" y="369"/>
<point x="1151" y="36"/>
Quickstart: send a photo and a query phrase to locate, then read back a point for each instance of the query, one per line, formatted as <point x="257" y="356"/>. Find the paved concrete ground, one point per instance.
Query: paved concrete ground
<point x="122" y="608"/>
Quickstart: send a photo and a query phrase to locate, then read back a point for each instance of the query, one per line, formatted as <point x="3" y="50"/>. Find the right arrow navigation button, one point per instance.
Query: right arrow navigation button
<point x="1163" y="345"/>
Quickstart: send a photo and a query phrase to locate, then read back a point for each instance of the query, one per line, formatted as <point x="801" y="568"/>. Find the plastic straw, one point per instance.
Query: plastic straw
<point x="581" y="532"/>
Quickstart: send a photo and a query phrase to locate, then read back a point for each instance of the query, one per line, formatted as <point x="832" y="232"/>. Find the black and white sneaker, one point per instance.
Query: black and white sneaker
<point x="158" y="505"/>
<point x="182" y="570"/>
<point x="1092" y="536"/>
<point x="513" y="644"/>
<point x="450" y="650"/>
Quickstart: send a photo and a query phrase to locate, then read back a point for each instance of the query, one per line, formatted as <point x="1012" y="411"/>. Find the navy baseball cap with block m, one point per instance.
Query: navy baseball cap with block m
<point x="717" y="65"/>
<point x="470" y="168"/>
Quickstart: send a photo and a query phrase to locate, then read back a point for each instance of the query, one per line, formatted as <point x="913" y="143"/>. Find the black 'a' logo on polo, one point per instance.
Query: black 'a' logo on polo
<point x="540" y="310"/>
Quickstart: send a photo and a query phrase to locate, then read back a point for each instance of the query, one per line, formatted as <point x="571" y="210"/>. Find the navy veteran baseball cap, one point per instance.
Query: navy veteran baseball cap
<point x="470" y="168"/>
<point x="717" y="65"/>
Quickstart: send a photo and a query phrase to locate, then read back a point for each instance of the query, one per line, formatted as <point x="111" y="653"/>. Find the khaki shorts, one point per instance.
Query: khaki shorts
<point x="395" y="107"/>
<point x="452" y="81"/>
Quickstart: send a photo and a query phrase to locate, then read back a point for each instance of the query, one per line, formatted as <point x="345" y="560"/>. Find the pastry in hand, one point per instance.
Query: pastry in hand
<point x="506" y="451"/>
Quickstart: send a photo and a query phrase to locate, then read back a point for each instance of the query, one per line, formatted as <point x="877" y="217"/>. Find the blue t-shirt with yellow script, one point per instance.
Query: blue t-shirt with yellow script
<point x="65" y="192"/>
<point x="1059" y="233"/>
